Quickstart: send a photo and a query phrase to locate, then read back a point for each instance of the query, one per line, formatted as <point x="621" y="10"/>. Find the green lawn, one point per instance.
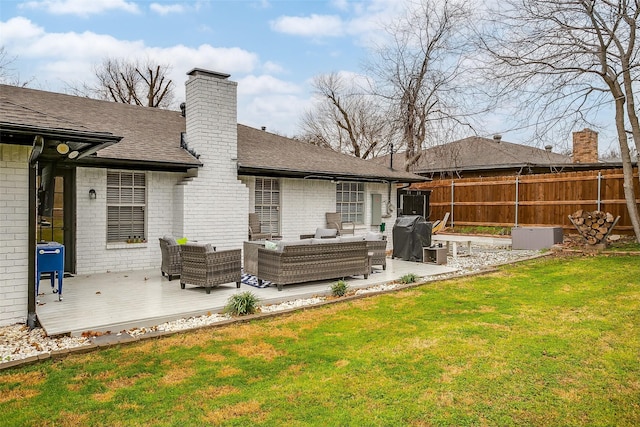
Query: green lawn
<point x="551" y="342"/>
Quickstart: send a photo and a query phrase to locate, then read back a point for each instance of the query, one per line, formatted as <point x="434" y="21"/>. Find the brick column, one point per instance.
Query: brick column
<point x="14" y="232"/>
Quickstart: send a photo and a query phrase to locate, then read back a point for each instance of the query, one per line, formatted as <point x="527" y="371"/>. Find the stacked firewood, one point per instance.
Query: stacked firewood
<point x="593" y="226"/>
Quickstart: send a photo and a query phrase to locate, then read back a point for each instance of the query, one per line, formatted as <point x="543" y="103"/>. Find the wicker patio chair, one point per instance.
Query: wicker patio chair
<point x="255" y="228"/>
<point x="202" y="265"/>
<point x="378" y="248"/>
<point x="334" y="220"/>
<point x="171" y="258"/>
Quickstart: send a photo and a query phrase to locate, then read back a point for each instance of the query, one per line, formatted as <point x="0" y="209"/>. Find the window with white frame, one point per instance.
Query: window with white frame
<point x="350" y="201"/>
<point x="267" y="204"/>
<point x="126" y="205"/>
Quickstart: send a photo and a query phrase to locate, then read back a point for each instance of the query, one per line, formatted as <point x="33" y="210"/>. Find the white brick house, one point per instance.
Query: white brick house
<point x="127" y="175"/>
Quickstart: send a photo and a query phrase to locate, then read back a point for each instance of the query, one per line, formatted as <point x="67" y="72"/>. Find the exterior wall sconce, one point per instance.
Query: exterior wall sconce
<point x="92" y="194"/>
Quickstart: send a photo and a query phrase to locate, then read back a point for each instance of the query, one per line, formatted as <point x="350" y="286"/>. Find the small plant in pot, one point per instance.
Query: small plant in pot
<point x="242" y="304"/>
<point x="340" y="288"/>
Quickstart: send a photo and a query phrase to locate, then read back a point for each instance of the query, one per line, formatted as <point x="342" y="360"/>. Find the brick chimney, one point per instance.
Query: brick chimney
<point x="213" y="206"/>
<point x="585" y="146"/>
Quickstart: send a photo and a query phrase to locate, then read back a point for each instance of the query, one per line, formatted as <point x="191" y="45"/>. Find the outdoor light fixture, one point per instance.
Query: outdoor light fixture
<point x="92" y="194"/>
<point x="62" y="148"/>
<point x="72" y="155"/>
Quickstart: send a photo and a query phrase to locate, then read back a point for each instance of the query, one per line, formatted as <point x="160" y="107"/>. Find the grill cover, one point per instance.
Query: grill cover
<point x="410" y="234"/>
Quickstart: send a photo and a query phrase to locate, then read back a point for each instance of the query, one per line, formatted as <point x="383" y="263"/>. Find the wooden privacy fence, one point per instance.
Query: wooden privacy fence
<point x="529" y="200"/>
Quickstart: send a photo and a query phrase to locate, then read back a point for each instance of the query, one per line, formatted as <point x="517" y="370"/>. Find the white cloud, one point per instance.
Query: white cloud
<point x="273" y="111"/>
<point x="80" y="7"/>
<point x="271" y="67"/>
<point x="225" y="60"/>
<point x="70" y="57"/>
<point x="253" y="85"/>
<point x="166" y="9"/>
<point x="16" y="29"/>
<point x="311" y="26"/>
<point x="340" y="4"/>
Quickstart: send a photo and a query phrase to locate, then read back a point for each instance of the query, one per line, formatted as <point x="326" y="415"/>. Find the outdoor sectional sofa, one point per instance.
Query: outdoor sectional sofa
<point x="306" y="260"/>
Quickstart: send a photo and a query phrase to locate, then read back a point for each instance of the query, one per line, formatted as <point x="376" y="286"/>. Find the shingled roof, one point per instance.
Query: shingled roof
<point x="477" y="153"/>
<point x="264" y="153"/>
<point x="151" y="138"/>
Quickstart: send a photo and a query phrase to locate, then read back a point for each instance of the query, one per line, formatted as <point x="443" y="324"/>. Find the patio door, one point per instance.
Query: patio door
<point x="56" y="219"/>
<point x="267" y="204"/>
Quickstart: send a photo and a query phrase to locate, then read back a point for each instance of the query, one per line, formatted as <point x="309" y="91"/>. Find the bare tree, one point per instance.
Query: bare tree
<point x="568" y="59"/>
<point x="420" y="73"/>
<point x="345" y="119"/>
<point x="130" y="82"/>
<point x="7" y="74"/>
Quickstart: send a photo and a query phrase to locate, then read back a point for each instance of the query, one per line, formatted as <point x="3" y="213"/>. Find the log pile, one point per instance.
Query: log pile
<point x="594" y="226"/>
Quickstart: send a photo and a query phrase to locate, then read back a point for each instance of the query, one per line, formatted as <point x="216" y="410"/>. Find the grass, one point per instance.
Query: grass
<point x="489" y="230"/>
<point x="549" y="342"/>
<point x="626" y="245"/>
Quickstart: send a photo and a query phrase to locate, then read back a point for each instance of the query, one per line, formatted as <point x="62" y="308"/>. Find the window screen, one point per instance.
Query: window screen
<point x="126" y="204"/>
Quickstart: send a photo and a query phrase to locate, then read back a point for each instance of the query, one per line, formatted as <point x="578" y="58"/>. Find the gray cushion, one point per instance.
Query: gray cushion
<point x="325" y="232"/>
<point x="372" y="235"/>
<point x="170" y="240"/>
<point x="325" y="241"/>
<point x="351" y="238"/>
<point x="284" y="243"/>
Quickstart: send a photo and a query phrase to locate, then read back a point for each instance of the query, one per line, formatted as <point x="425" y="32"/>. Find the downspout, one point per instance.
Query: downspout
<point x="38" y="148"/>
<point x="389" y="206"/>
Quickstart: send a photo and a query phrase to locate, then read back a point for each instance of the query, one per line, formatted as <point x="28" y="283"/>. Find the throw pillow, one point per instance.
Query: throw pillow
<point x="272" y="246"/>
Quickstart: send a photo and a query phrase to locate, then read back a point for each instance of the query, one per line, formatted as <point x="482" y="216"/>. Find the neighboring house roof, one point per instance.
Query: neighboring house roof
<point x="264" y="153"/>
<point x="477" y="153"/>
<point x="152" y="137"/>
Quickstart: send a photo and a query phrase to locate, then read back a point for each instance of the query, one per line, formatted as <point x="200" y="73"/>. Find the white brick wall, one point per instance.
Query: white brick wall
<point x="94" y="255"/>
<point x="305" y="202"/>
<point x="14" y="233"/>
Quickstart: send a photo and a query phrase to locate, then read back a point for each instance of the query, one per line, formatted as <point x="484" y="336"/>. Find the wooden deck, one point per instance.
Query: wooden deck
<point x="118" y="301"/>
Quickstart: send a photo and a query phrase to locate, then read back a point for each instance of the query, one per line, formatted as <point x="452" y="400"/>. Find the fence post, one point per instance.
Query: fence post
<point x="452" y="203"/>
<point x="517" y="190"/>
<point x="599" y="188"/>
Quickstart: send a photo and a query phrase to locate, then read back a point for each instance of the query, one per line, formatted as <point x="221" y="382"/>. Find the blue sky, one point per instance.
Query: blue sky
<point x="272" y="48"/>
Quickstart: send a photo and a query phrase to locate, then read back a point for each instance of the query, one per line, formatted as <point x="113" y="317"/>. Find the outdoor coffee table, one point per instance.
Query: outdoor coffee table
<point x="454" y="240"/>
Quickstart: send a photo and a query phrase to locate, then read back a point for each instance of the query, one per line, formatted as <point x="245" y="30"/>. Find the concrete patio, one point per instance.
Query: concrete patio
<point x="125" y="300"/>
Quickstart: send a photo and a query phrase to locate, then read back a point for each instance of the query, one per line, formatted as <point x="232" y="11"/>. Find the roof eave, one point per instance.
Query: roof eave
<point x="105" y="162"/>
<point x="65" y="134"/>
<point x="289" y="173"/>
